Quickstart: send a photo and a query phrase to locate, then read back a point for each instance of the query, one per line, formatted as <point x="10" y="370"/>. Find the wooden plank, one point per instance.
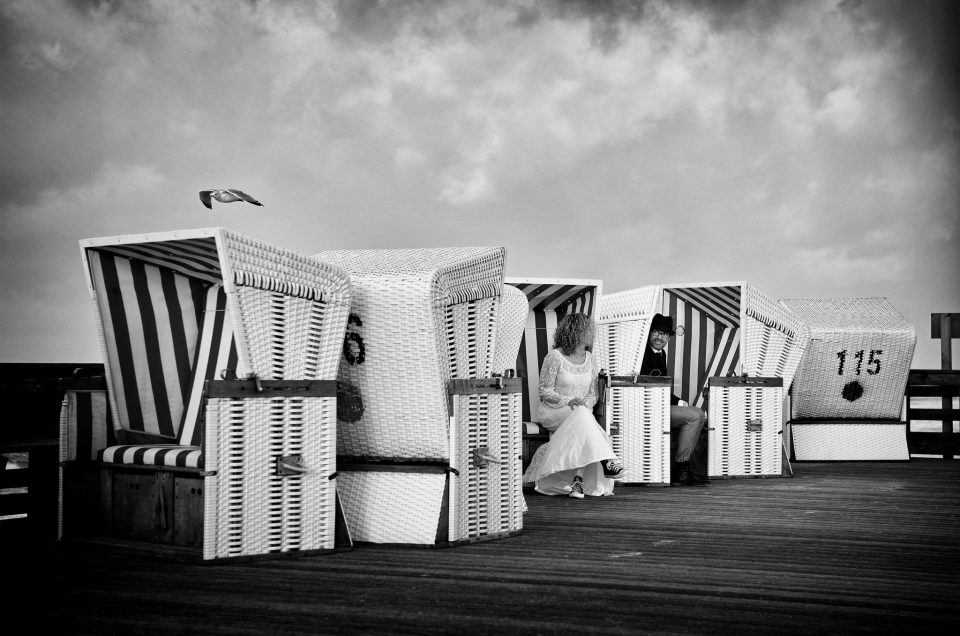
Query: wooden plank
<point x="844" y="547"/>
<point x="938" y="415"/>
<point x="937" y="326"/>
<point x="14" y="503"/>
<point x="14" y="478"/>
<point x="934" y="376"/>
<point x="271" y="388"/>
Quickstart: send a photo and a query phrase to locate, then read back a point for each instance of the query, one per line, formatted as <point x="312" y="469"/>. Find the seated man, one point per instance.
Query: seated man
<point x="687" y="419"/>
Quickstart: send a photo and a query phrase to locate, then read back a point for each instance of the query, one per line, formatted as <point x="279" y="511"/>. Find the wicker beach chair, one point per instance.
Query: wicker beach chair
<point x="218" y="468"/>
<point x="429" y="442"/>
<point x="638" y="407"/>
<point x="724" y="329"/>
<point x="847" y="398"/>
<point x="548" y="301"/>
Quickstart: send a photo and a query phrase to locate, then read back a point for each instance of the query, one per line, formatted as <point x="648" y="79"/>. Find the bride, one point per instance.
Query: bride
<point x="579" y="457"/>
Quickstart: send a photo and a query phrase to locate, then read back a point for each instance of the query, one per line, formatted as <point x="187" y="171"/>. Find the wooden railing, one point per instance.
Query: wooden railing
<point x="943" y="384"/>
<point x="31" y="394"/>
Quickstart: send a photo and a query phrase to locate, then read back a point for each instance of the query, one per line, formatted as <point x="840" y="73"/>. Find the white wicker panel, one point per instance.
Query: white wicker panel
<point x="470" y="330"/>
<point x="744" y="431"/>
<point x="623" y="323"/>
<point x="632" y="304"/>
<point x="254" y="510"/>
<point x="392" y="507"/>
<point x="424" y="317"/>
<point x="486" y="500"/>
<point x="858" y="360"/>
<point x="850" y="441"/>
<point x="642" y="414"/>
<point x="621" y="345"/>
<point x="401" y="377"/>
<point x="290" y="338"/>
<point x="774" y="340"/>
<point x="514" y="308"/>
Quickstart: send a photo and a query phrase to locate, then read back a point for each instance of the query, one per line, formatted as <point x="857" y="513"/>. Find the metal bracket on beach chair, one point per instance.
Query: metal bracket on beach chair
<point x="290" y="465"/>
<point x="480" y="457"/>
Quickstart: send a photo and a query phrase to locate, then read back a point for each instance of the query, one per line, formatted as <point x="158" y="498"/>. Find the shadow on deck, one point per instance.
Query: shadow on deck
<point x="838" y="548"/>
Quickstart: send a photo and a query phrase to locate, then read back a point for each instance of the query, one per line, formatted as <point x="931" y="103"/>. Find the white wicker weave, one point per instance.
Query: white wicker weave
<point x="514" y="308"/>
<point x="425" y="322"/>
<point x="857" y="362"/>
<point x="745" y="428"/>
<point x="722" y="327"/>
<point x="638" y="422"/>
<point x="850" y="440"/>
<point x="288" y="315"/>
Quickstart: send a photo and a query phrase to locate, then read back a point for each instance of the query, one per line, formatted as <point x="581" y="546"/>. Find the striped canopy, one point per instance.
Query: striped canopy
<point x="710" y="342"/>
<point x="166" y="330"/>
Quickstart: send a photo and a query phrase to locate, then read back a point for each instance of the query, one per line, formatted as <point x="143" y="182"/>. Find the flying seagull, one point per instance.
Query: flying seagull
<point x="226" y="196"/>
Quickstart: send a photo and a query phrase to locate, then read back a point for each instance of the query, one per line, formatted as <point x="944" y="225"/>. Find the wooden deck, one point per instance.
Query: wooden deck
<point x="839" y="548"/>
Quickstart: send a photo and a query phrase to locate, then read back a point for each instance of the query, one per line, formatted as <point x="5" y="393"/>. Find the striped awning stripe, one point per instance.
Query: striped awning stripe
<point x="709" y="345"/>
<point x="722" y="304"/>
<point x="726" y="357"/>
<point x="195" y="258"/>
<point x="561" y="298"/>
<point x="216" y="351"/>
<point x="151" y="318"/>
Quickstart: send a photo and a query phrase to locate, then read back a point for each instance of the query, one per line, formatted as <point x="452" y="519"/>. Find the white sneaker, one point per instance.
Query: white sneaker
<point x="576" y="490"/>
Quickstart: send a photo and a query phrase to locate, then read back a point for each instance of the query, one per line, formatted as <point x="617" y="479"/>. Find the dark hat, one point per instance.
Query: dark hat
<point x="662" y="323"/>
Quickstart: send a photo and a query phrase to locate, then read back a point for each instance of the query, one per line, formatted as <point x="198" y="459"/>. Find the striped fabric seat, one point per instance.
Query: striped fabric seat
<point x="215" y="351"/>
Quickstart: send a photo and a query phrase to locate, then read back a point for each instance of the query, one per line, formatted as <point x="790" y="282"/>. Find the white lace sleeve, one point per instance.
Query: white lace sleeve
<point x="593" y="394"/>
<point x="548" y="381"/>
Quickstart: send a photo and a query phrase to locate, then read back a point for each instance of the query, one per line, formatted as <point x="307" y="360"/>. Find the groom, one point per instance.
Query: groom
<point x="686" y="420"/>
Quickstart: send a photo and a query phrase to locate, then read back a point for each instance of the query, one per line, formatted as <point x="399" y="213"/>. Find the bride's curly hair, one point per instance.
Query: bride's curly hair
<point x="572" y="330"/>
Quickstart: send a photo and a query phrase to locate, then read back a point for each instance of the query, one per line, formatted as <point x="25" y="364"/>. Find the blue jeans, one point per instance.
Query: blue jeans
<point x="688" y="420"/>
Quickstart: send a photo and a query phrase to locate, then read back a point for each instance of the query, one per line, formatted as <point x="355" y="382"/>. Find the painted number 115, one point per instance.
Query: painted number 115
<point x="873" y="361"/>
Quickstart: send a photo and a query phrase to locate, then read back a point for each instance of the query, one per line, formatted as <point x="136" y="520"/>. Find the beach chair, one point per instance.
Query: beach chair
<point x="221" y="355"/>
<point x="548" y="301"/>
<point x="638" y="407"/>
<point x="429" y="443"/>
<point x="723" y="329"/>
<point x="847" y="399"/>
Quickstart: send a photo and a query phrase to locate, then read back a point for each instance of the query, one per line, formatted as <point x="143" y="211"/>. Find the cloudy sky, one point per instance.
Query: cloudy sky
<point x="809" y="148"/>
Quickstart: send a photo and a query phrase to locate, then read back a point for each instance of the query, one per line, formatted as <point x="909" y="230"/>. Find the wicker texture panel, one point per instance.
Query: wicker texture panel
<point x="392" y="507"/>
<point x="857" y="362"/>
<point x="514" y="308"/>
<point x="744" y="431"/>
<point x="623" y="324"/>
<point x="249" y="508"/>
<point x="640" y="417"/>
<point x="425" y="316"/>
<point x="291" y="311"/>
<point x="850" y="441"/>
<point x="486" y="499"/>
<point x="290" y="338"/>
<point x="774" y="340"/>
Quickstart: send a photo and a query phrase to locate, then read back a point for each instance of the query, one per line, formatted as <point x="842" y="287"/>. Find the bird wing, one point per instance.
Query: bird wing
<point x="243" y="195"/>
<point x="205" y="198"/>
